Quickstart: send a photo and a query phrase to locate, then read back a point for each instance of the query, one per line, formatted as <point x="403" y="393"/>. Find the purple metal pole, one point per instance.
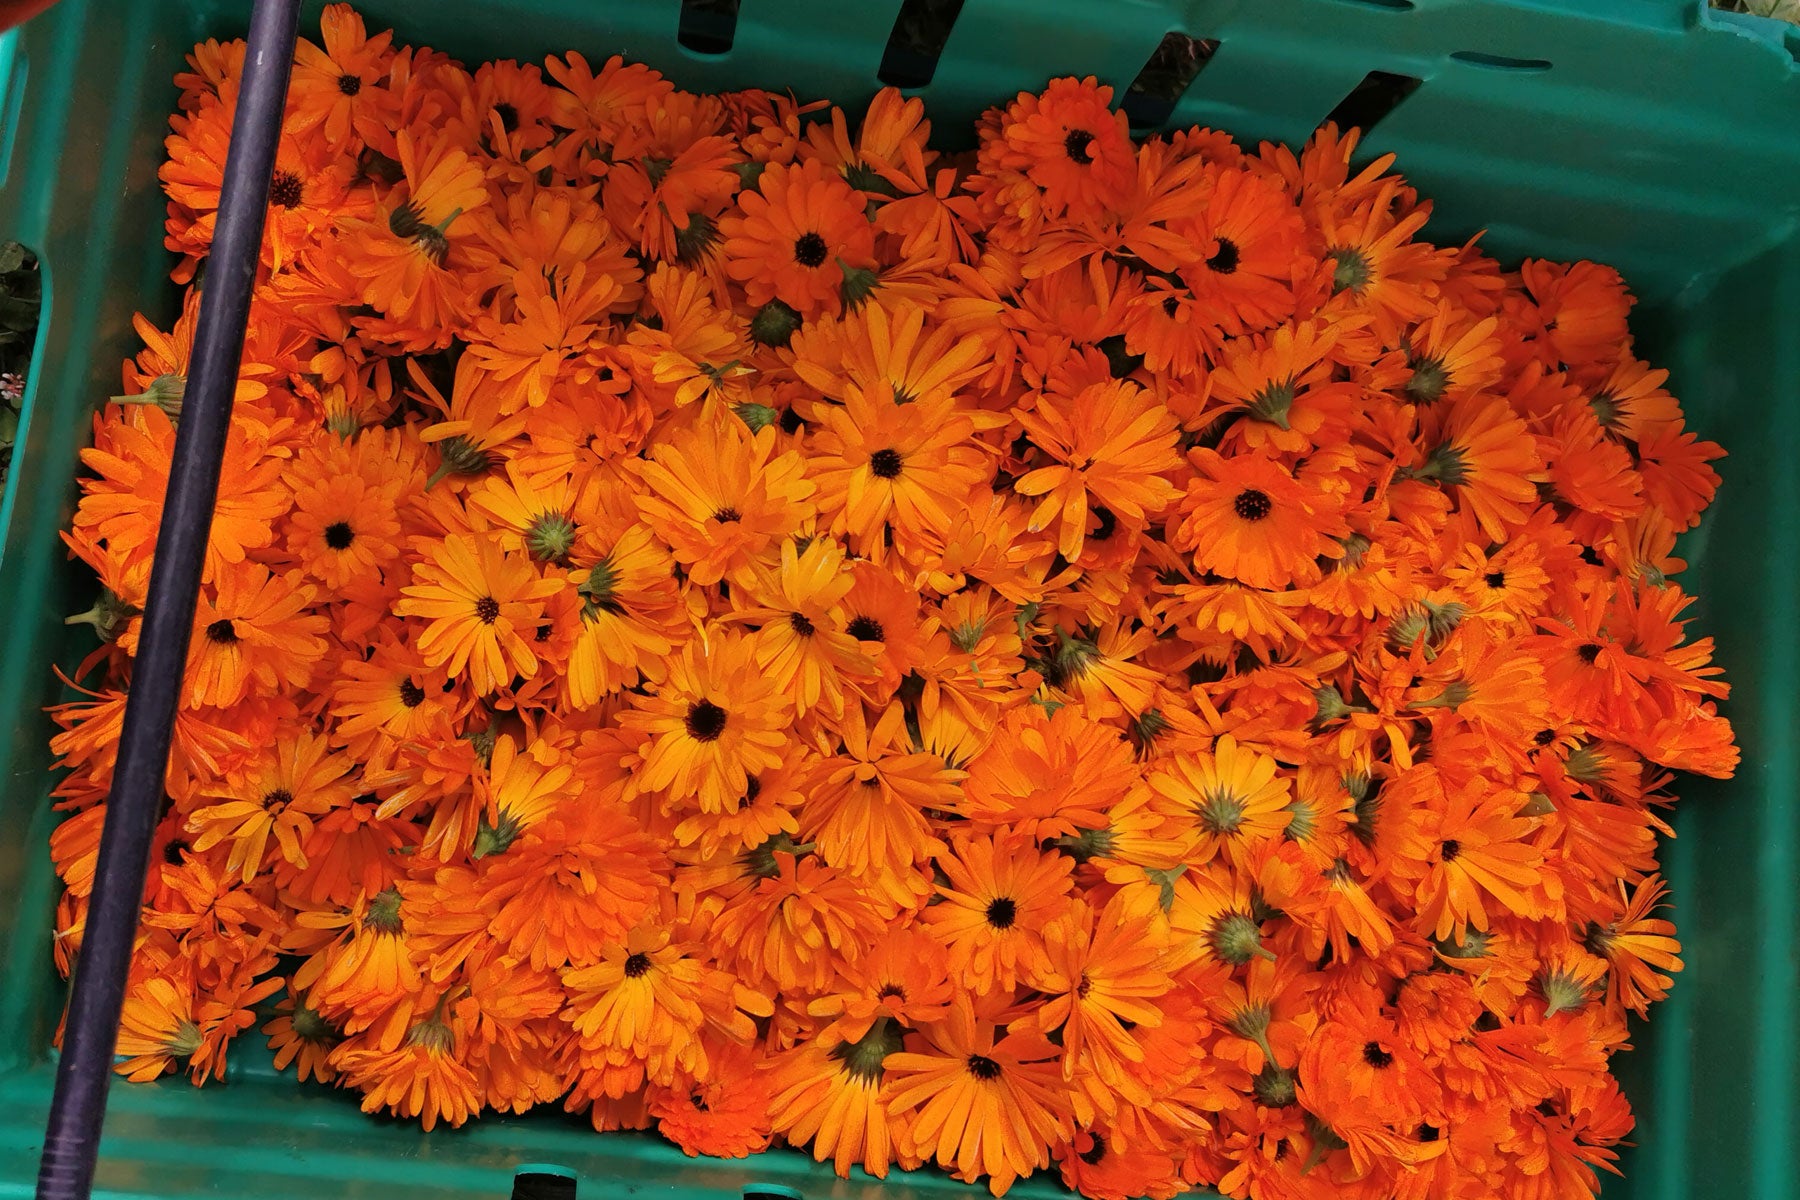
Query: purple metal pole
<point x="90" y="1036"/>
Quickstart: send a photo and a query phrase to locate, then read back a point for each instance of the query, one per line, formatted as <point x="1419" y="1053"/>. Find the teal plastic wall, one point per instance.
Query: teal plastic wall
<point x="1663" y="138"/>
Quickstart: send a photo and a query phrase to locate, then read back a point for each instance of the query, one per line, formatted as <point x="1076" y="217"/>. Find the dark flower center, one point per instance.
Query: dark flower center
<point x="866" y="629"/>
<point x="411" y="694"/>
<point x="809" y="249"/>
<point x="339" y="535"/>
<point x="487" y="610"/>
<point x="349" y="84"/>
<point x="1544" y="737"/>
<point x="799" y="623"/>
<point x="278" y="798"/>
<point x="1375" y="1056"/>
<point x="1171" y="306"/>
<point x="1252" y="504"/>
<point x="509" y="116"/>
<point x="893" y="990"/>
<point x="983" y="1067"/>
<point x="222" y="631"/>
<point x="705" y="721"/>
<point x="1589" y="652"/>
<point x="1225" y="258"/>
<point x="1451" y="849"/>
<point x="728" y="516"/>
<point x="1002" y="912"/>
<point x="1076" y="146"/>
<point x="284" y="189"/>
<point x="1496" y="579"/>
<point x="637" y="966"/>
<point x="1093" y="1154"/>
<point x="1429" y="1133"/>
<point x="885" y="464"/>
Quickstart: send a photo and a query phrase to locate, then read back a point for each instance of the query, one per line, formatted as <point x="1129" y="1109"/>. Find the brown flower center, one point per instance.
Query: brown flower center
<point x="705" y="721"/>
<point x="809" y="250"/>
<point x="1252" y="504"/>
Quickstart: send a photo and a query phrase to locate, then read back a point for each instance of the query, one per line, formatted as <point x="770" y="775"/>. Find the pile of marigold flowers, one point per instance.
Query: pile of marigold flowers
<point x="1094" y="653"/>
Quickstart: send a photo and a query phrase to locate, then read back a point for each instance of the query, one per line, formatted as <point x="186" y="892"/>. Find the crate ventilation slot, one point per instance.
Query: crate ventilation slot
<point x="1390" y="5"/>
<point x="1171" y="69"/>
<point x="541" y="1181"/>
<point x="708" y="26"/>
<point x="1500" y="62"/>
<point x="771" y="1191"/>
<point x="1379" y="94"/>
<point x="917" y="42"/>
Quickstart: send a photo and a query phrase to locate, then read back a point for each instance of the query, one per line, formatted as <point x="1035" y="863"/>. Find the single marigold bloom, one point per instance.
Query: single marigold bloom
<point x="422" y="1077"/>
<point x="722" y="499"/>
<point x="277" y="796"/>
<point x="1070" y="143"/>
<point x="1228" y="801"/>
<point x="253" y="636"/>
<point x="903" y="977"/>
<point x="802" y="233"/>
<point x="715" y="721"/>
<point x="480" y="603"/>
<point x="1000" y="894"/>
<point x="1107" y="969"/>
<point x="650" y="998"/>
<point x="1246" y="244"/>
<point x="1247" y="518"/>
<point x="414" y="254"/>
<point x="881" y="464"/>
<point x="1047" y="777"/>
<point x="1115" y="444"/>
<point x="982" y="1105"/>
<point x="727" y="1116"/>
<point x="805" y="644"/>
<point x="830" y="1097"/>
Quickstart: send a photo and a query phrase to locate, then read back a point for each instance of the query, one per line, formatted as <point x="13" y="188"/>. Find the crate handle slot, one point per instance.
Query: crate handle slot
<point x="1500" y="62"/>
<point x="1390" y="5"/>
<point x="1379" y="94"/>
<point x="771" y="1191"/>
<point x="1165" y="78"/>
<point x="543" y="1181"/>
<point x="921" y="30"/>
<point x="708" y="26"/>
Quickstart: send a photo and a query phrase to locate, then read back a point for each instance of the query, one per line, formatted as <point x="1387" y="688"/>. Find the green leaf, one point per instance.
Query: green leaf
<point x="9" y="425"/>
<point x="12" y="257"/>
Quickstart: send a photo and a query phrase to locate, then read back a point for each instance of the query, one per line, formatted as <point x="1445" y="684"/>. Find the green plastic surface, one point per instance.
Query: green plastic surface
<point x="1663" y="138"/>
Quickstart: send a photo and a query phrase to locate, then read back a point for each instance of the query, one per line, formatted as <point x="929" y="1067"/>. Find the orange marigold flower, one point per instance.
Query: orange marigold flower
<point x="253" y="636"/>
<point x="722" y="499"/>
<point x="480" y="603"/>
<point x="880" y="464"/>
<point x="1000" y="893"/>
<point x="714" y="722"/>
<point x="1249" y="519"/>
<point x="422" y="1077"/>
<point x="277" y="796"/>
<point x="1115" y="444"/>
<point x="802" y="232"/>
<point x="982" y="1104"/>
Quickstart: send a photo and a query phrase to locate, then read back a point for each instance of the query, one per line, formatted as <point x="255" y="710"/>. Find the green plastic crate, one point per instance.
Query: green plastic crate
<point x="1656" y="135"/>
